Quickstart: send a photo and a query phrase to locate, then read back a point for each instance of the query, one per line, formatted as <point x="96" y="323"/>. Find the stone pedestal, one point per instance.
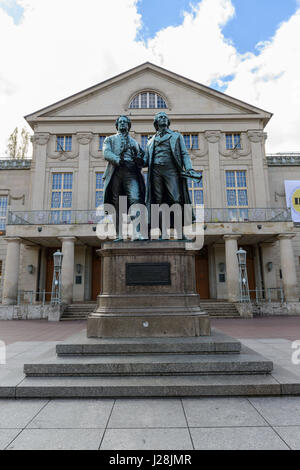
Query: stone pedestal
<point x="148" y="290"/>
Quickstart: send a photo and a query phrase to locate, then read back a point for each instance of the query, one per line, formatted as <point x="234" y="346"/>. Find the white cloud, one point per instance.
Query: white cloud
<point x="63" y="46"/>
<point x="271" y="81"/>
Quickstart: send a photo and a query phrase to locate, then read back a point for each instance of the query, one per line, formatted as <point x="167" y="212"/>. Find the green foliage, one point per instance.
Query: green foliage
<point x="17" y="146"/>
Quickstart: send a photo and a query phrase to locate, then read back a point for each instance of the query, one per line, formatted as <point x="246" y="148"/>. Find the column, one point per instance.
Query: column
<point x="213" y="138"/>
<point x="257" y="139"/>
<point x="11" y="274"/>
<point x="83" y="171"/>
<point x="67" y="271"/>
<point x="232" y="267"/>
<point x="39" y="141"/>
<point x="288" y="268"/>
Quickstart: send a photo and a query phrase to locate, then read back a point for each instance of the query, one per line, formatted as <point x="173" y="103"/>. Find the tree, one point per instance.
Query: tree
<point x="17" y="147"/>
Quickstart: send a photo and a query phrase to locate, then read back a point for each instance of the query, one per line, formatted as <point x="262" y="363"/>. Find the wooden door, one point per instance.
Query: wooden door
<point x="251" y="276"/>
<point x="202" y="277"/>
<point x="96" y="275"/>
<point x="49" y="272"/>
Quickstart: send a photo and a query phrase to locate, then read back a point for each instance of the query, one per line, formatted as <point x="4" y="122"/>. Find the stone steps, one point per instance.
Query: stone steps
<point x="215" y="365"/>
<point x="154" y="386"/>
<point x="217" y="354"/>
<point x="218" y="343"/>
<point x="247" y="362"/>
<point x="78" y="311"/>
<point x="216" y="309"/>
<point x="220" y="309"/>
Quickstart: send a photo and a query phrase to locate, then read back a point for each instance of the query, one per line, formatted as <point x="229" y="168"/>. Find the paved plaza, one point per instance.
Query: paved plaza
<point x="156" y="423"/>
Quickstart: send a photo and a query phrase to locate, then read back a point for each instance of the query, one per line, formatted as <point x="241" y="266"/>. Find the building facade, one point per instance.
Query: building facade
<point x="50" y="202"/>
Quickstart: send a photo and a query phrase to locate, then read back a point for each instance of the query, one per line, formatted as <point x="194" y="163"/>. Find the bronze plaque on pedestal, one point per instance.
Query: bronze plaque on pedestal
<point x="148" y="274"/>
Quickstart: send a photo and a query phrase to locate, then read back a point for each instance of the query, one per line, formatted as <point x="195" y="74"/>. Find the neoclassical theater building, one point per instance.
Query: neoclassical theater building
<point x="49" y="202"/>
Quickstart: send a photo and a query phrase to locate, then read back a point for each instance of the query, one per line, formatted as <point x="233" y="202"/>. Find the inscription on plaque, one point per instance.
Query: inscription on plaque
<point x="148" y="274"/>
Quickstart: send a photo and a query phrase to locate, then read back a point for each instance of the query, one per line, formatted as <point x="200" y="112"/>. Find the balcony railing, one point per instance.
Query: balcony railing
<point x="66" y="217"/>
<point x="15" y="164"/>
<point x="284" y="159"/>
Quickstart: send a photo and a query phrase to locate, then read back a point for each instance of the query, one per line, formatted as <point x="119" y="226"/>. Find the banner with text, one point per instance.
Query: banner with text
<point x="292" y="193"/>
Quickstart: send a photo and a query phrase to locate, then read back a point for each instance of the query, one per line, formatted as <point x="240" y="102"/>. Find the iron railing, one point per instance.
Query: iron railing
<point x="15" y="164"/>
<point x="72" y="217"/>
<point x="31" y="297"/>
<point x="284" y="159"/>
<point x="270" y="294"/>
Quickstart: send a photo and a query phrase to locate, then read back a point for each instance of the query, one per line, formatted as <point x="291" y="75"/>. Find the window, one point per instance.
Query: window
<point x="144" y="140"/>
<point x="99" y="190"/>
<point x="3" y="212"/>
<point x="191" y="141"/>
<point x="147" y="100"/>
<point x="101" y="141"/>
<point x="233" y="141"/>
<point x="64" y="143"/>
<point x="61" y="198"/>
<point x="237" y="194"/>
<point x="196" y="191"/>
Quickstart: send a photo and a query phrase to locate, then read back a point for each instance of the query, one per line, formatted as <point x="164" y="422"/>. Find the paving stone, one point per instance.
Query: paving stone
<point x="58" y="439"/>
<point x="147" y="413"/>
<point x="150" y="439"/>
<point x="290" y="435"/>
<point x="236" y="438"/>
<point x="215" y="412"/>
<point x="17" y="414"/>
<point x="279" y="411"/>
<point x="10" y="377"/>
<point x="70" y="413"/>
<point x="6" y="436"/>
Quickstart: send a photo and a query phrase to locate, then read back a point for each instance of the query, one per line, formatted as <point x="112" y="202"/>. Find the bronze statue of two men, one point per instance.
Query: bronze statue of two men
<point x="168" y="161"/>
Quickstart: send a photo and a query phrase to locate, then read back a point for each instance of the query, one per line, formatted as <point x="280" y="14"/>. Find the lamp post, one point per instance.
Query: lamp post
<point x="243" y="278"/>
<point x="56" y="283"/>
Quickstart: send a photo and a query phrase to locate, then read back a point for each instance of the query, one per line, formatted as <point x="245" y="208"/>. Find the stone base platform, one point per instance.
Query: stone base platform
<point x="147" y="325"/>
<point x="148" y="290"/>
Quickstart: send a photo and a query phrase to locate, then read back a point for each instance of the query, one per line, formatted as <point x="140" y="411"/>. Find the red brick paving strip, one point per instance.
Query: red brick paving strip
<point x="266" y="327"/>
<point x="12" y="331"/>
<point x="42" y="330"/>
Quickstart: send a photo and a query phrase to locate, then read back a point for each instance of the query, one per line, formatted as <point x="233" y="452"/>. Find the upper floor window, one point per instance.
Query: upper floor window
<point x="147" y="100"/>
<point x="61" y="197"/>
<point x="99" y="190"/>
<point x="237" y="194"/>
<point x="3" y="212"/>
<point x="233" y="141"/>
<point x="64" y="143"/>
<point x="196" y="191"/>
<point x="191" y="141"/>
<point x="101" y="141"/>
<point x="144" y="140"/>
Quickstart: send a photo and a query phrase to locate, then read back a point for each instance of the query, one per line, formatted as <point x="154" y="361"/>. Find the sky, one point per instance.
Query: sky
<point x="249" y="49"/>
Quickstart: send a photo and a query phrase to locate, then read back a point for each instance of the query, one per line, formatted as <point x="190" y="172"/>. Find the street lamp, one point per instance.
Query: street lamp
<point x="57" y="257"/>
<point x="56" y="283"/>
<point x="241" y="254"/>
<point x="243" y="278"/>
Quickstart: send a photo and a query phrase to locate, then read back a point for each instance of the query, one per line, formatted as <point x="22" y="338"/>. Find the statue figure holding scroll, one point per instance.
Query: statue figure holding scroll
<point x="123" y="175"/>
<point x="169" y="166"/>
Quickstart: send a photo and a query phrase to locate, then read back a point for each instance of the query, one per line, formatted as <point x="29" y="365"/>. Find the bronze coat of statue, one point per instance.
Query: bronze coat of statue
<point x="169" y="165"/>
<point x="123" y="175"/>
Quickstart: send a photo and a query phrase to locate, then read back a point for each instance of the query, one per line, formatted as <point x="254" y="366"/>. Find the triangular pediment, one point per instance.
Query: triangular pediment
<point x="112" y="97"/>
